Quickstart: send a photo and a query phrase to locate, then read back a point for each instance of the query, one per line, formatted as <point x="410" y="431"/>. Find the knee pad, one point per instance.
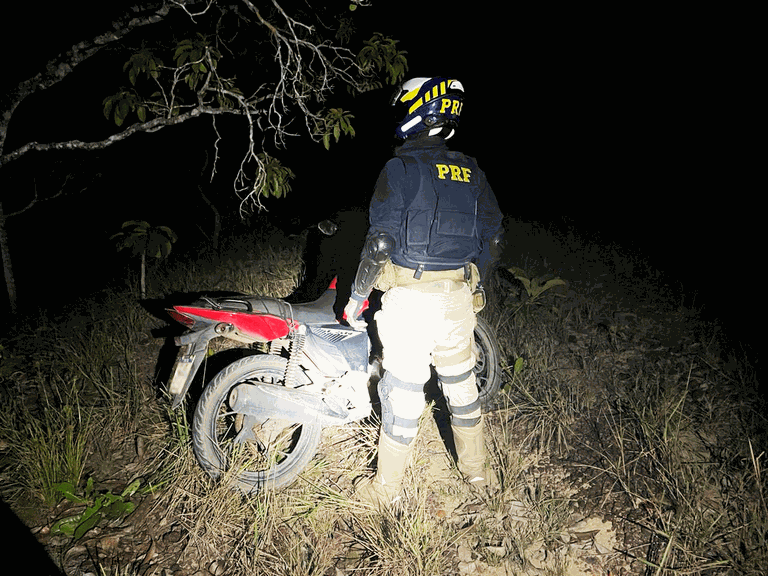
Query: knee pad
<point x="401" y="406"/>
<point x="462" y="398"/>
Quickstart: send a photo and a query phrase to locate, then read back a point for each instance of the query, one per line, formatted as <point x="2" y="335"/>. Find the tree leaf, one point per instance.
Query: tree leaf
<point x="123" y="108"/>
<point x="108" y="106"/>
<point x="142" y="224"/>
<point x="552" y="283"/>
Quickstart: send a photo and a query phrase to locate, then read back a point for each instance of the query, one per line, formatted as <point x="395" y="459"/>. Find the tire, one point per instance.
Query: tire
<point x="487" y="370"/>
<point x="267" y="454"/>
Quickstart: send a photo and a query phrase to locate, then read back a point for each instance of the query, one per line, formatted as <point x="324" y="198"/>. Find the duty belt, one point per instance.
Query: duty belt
<point x="468" y="274"/>
<point x="405" y="276"/>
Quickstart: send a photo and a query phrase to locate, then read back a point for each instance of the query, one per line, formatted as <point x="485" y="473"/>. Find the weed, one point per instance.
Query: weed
<point x="535" y="288"/>
<point x="48" y="445"/>
<point x="106" y="506"/>
<point x="407" y="543"/>
<point x="643" y="410"/>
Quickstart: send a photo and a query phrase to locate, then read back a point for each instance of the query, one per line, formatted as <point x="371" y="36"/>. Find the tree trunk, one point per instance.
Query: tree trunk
<point x="10" y="283"/>
<point x="144" y="275"/>
<point x="216" y="219"/>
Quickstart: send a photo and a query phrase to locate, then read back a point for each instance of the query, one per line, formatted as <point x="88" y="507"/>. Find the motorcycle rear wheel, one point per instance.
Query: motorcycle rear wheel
<point x="252" y="455"/>
<point x="487" y="369"/>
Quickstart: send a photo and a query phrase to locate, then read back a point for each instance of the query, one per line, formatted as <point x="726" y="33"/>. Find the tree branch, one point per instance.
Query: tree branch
<point x="37" y="199"/>
<point x="304" y="72"/>
<point x="60" y="67"/>
<point x="149" y="126"/>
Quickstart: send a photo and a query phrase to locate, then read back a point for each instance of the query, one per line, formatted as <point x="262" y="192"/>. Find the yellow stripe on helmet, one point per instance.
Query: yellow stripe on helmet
<point x="436" y="91"/>
<point x="410" y="95"/>
<point x="416" y="104"/>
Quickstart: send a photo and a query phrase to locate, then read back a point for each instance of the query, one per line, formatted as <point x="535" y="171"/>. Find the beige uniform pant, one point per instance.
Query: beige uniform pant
<point x="429" y="322"/>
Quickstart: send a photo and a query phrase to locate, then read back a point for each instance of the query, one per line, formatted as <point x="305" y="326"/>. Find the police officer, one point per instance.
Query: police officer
<point x="435" y="230"/>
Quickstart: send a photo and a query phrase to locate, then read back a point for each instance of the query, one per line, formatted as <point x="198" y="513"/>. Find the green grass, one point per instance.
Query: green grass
<point x="617" y="407"/>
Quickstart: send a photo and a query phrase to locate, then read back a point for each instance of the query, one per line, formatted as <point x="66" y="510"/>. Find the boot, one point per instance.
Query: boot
<point x="474" y="462"/>
<point x="384" y="488"/>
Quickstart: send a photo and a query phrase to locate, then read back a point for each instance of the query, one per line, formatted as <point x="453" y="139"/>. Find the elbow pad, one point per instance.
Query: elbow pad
<point x="376" y="252"/>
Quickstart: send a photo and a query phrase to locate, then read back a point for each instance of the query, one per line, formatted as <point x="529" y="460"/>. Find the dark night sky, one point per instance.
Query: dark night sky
<point x="620" y="120"/>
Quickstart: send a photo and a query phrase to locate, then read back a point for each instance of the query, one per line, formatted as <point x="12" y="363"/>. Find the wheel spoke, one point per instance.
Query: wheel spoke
<point x="262" y="452"/>
<point x="269" y="442"/>
<point x="487" y="373"/>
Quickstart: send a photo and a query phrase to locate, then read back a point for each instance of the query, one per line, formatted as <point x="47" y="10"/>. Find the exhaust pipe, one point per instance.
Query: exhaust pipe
<point x="265" y="401"/>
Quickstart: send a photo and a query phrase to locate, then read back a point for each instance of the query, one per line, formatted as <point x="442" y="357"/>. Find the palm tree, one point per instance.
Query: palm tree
<point x="145" y="240"/>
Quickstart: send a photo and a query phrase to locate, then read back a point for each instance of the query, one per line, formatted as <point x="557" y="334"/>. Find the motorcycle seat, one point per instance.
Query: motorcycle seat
<point x="318" y="312"/>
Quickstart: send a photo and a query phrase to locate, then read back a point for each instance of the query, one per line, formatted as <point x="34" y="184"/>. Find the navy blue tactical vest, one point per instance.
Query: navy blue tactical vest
<point x="439" y="228"/>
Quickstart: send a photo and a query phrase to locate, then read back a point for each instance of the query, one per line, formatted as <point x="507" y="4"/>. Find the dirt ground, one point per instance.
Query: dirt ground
<point x="560" y="513"/>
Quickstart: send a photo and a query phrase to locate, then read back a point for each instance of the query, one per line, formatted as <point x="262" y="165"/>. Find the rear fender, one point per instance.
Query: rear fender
<point x="194" y="348"/>
<point x="259" y="327"/>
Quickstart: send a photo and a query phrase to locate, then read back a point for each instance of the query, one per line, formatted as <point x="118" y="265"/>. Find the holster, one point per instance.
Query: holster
<point x="478" y="292"/>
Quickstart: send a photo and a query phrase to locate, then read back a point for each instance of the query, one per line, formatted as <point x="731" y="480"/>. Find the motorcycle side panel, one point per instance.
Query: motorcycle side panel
<point x="337" y="349"/>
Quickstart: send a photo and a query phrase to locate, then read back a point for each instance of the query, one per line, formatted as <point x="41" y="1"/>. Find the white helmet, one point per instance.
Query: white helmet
<point x="432" y="104"/>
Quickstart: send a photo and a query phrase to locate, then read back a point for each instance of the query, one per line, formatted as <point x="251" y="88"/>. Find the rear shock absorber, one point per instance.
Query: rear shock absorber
<point x="294" y="367"/>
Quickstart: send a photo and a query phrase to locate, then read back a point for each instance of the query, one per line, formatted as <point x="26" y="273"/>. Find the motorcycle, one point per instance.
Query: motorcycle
<point x="305" y="370"/>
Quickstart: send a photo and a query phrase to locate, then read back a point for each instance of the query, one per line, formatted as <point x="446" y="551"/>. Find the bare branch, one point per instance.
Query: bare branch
<point x="305" y="72"/>
<point x="183" y="6"/>
<point x="36" y="198"/>
<point x="149" y="126"/>
<point x="63" y="65"/>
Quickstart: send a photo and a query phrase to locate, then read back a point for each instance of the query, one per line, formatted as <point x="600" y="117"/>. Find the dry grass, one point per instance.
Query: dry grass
<point x="615" y="450"/>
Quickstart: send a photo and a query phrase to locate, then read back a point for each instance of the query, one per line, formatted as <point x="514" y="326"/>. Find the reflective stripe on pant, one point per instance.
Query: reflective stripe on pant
<point x="401" y="406"/>
<point x="462" y="396"/>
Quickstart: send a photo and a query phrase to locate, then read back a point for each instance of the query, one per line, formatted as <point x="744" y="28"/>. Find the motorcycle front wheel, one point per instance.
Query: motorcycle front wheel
<point x="251" y="453"/>
<point x="487" y="369"/>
